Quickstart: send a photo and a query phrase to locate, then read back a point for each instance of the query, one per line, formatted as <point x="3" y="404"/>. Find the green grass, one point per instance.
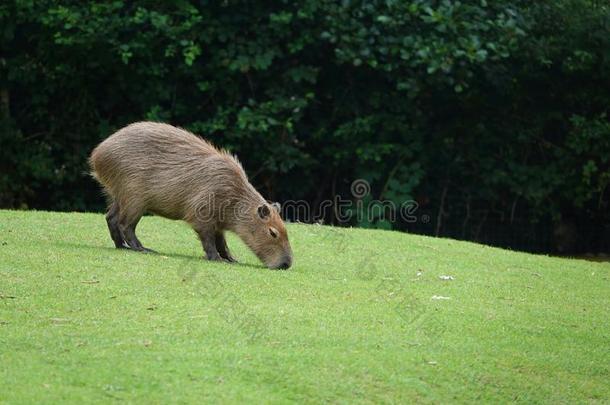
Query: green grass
<point x="352" y="321"/>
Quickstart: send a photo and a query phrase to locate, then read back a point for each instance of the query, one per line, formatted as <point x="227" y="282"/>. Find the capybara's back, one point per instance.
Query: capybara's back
<point x="158" y="168"/>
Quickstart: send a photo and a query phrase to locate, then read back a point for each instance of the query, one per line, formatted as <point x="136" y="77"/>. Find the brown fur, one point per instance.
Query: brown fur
<point x="158" y="168"/>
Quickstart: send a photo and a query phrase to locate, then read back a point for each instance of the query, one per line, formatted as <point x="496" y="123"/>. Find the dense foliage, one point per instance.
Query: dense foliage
<point x="493" y="116"/>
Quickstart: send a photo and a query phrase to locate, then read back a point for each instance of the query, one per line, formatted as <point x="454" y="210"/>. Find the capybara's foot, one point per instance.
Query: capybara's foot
<point x="214" y="257"/>
<point x="226" y="256"/>
<point x="121" y="245"/>
<point x="138" y="248"/>
<point x="229" y="259"/>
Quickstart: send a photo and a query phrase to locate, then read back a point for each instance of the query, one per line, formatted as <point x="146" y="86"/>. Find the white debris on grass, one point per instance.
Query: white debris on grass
<point x="448" y="278"/>
<point x="439" y="297"/>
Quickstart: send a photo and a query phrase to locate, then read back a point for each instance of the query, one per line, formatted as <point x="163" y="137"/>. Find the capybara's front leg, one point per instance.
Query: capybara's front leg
<point x="223" y="249"/>
<point x="208" y="241"/>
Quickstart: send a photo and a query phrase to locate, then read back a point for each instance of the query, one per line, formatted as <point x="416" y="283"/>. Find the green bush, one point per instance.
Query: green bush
<point x="491" y="115"/>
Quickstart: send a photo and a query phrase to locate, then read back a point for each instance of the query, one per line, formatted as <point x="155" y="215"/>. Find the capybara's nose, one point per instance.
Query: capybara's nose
<point x="286" y="263"/>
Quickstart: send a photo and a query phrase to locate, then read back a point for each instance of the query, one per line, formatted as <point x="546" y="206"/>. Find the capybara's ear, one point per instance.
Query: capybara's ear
<point x="277" y="207"/>
<point x="263" y="211"/>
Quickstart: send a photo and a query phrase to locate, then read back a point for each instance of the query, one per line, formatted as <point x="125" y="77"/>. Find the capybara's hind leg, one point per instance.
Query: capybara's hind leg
<point x="128" y="221"/>
<point x="112" y="219"/>
<point x="223" y="249"/>
<point x="131" y="231"/>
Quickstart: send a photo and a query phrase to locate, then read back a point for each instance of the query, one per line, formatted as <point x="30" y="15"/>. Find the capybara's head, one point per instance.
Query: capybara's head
<point x="267" y="237"/>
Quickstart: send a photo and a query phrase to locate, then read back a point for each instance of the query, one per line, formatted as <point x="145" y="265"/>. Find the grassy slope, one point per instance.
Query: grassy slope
<point x="352" y="320"/>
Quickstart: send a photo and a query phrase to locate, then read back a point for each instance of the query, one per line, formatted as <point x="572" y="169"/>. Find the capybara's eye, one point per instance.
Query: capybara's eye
<point x="273" y="232"/>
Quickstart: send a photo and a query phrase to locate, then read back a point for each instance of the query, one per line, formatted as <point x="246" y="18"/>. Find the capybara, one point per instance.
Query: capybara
<point x="168" y="171"/>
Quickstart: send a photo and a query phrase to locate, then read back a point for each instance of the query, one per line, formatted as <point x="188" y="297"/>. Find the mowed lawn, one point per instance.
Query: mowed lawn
<point x="362" y="317"/>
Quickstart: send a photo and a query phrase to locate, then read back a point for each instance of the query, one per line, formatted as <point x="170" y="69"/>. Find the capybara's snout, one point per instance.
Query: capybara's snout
<point x="283" y="263"/>
<point x="286" y="263"/>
